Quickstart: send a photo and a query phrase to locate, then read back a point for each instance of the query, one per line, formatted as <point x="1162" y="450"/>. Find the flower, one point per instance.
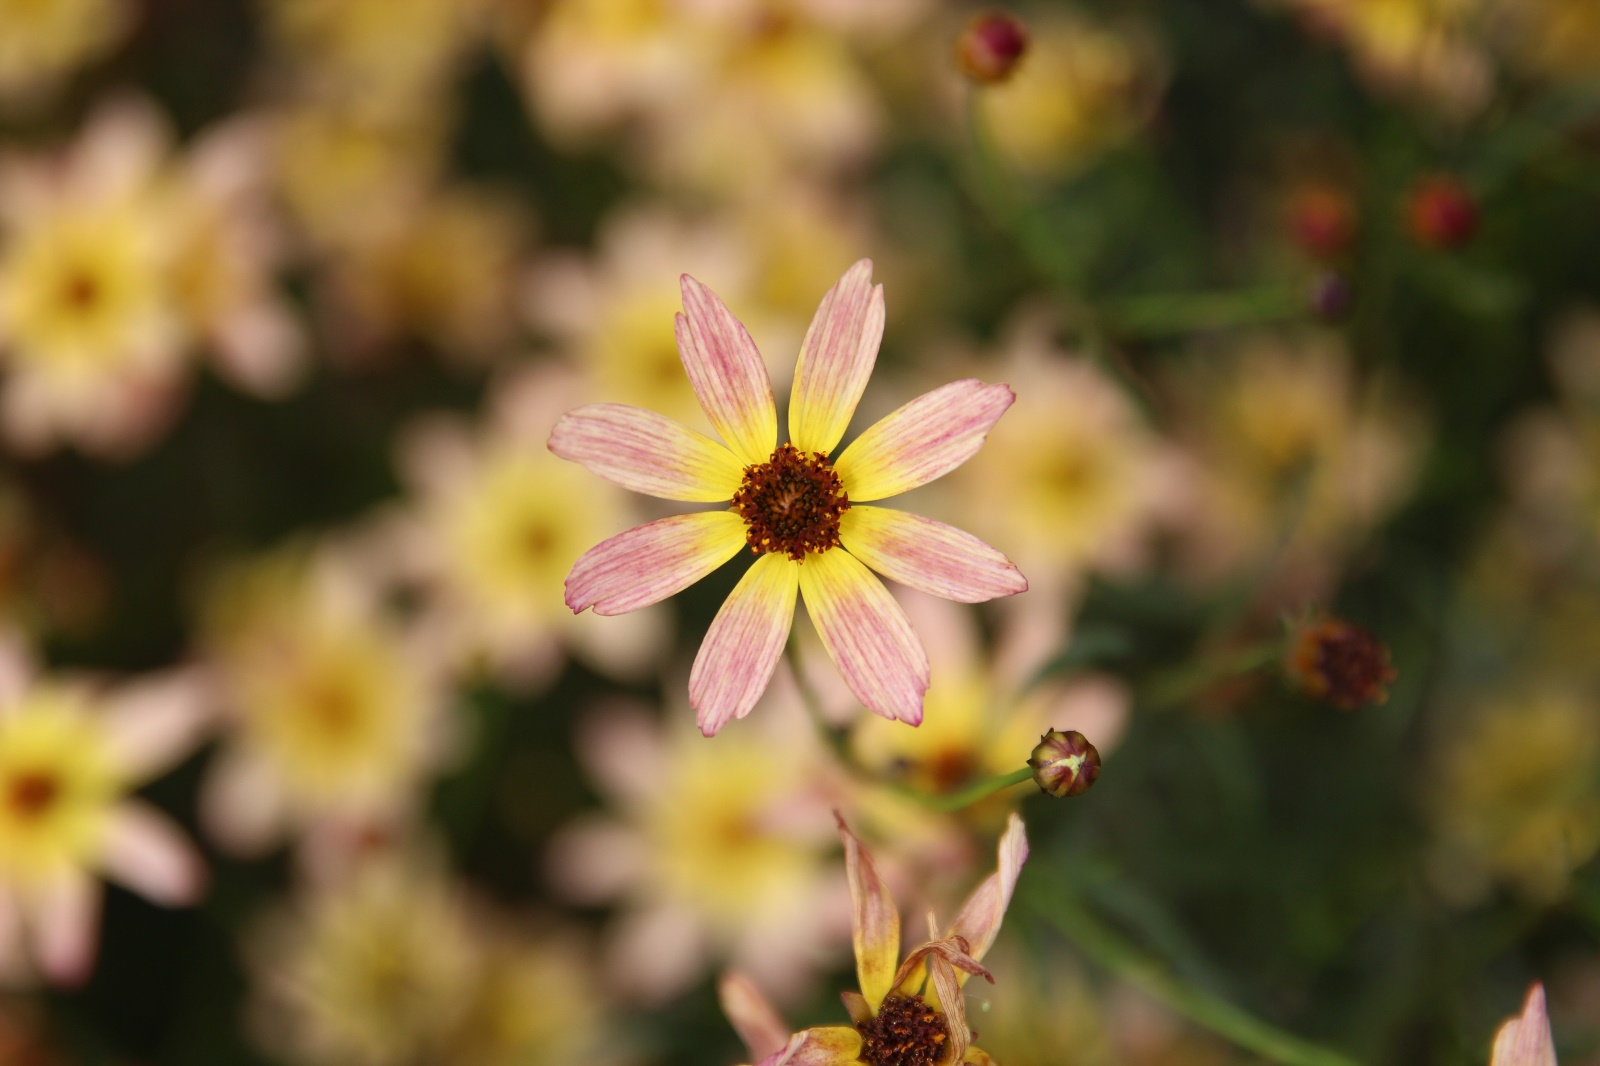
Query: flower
<point x="1064" y="764"/>
<point x="1333" y="660"/>
<point x="69" y="757"/>
<point x="45" y="43"/>
<point x="793" y="506"/>
<point x="991" y="47"/>
<point x="911" y="1016"/>
<point x="1526" y="1039"/>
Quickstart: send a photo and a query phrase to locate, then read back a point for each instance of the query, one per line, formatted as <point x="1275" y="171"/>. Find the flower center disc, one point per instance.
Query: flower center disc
<point x="791" y="503"/>
<point x="904" y="1032"/>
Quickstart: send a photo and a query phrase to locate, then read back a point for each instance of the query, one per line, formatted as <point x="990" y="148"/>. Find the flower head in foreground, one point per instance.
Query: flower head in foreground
<point x="1526" y="1039"/>
<point x="913" y="1015"/>
<point x="793" y="506"/>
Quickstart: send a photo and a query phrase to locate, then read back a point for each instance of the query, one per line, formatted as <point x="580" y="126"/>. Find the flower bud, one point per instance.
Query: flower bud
<point x="1064" y="763"/>
<point x="1339" y="662"/>
<point x="991" y="47"/>
<point x="1441" y="212"/>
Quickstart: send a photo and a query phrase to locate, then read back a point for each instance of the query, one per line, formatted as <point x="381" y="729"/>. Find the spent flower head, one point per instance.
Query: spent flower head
<point x="800" y="511"/>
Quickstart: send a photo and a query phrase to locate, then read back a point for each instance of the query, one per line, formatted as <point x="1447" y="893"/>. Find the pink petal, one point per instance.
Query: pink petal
<point x="832" y="1045"/>
<point x="657" y="952"/>
<point x="979" y="920"/>
<point x="836" y="360"/>
<point x="741" y="648"/>
<point x="243" y="807"/>
<point x="925" y="439"/>
<point x="155" y="723"/>
<point x="727" y="373"/>
<point x="758" y="1025"/>
<point x="648" y="563"/>
<point x="66" y="925"/>
<point x="647" y="452"/>
<point x="874" y="921"/>
<point x="145" y="851"/>
<point x="929" y="556"/>
<point x="1526" y="1040"/>
<point x="866" y="634"/>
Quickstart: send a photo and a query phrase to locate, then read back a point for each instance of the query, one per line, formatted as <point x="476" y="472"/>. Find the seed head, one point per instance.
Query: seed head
<point x="1333" y="660"/>
<point x="1064" y="763"/>
<point x="991" y="47"/>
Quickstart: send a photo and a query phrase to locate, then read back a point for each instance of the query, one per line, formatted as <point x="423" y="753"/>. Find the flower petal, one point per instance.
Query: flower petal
<point x="925" y="439"/>
<point x="1526" y="1040"/>
<point x="153" y="724"/>
<point x="829" y="1045"/>
<point x="741" y="648"/>
<point x="647" y="452"/>
<point x="727" y="373"/>
<point x="874" y="920"/>
<point x="947" y="991"/>
<point x="757" y="1024"/>
<point x="145" y="851"/>
<point x="929" y="556"/>
<point x="979" y="920"/>
<point x="648" y="563"/>
<point x="66" y="925"/>
<point x="866" y="634"/>
<point x="836" y="360"/>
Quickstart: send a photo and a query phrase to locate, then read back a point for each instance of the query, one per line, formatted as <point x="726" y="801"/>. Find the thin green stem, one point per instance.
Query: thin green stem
<point x="1109" y="950"/>
<point x="1178" y="686"/>
<point x="977" y="791"/>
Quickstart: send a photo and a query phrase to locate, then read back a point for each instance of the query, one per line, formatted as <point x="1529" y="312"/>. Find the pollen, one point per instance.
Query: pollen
<point x="904" y="1032"/>
<point x="791" y="503"/>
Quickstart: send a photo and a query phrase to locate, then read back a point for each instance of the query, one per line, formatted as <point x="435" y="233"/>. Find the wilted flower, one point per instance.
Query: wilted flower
<point x="791" y="506"/>
<point x="991" y="46"/>
<point x="1334" y="660"/>
<point x="70" y="755"/>
<point x="913" y="1015"/>
<point x="1064" y="763"/>
<point x="1526" y="1039"/>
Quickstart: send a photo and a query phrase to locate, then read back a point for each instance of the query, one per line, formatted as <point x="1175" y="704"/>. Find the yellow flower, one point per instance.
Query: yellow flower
<point x="47" y="40"/>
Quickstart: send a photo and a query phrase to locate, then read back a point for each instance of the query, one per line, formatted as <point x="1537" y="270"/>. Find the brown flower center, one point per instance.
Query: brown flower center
<point x="791" y="503"/>
<point x="904" y="1032"/>
<point x="31" y="794"/>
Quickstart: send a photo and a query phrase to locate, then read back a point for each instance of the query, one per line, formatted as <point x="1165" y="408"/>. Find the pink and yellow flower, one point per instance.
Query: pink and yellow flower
<point x="797" y="510"/>
<point x="911" y="1013"/>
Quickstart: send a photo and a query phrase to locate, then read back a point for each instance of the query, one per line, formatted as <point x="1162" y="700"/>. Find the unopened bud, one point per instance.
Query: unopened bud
<point x="1339" y="662"/>
<point x="991" y="47"/>
<point x="1064" y="763"/>
<point x="1441" y="212"/>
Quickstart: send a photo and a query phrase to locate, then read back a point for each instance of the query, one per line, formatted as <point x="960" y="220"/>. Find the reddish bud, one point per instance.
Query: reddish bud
<point x="991" y="47"/>
<point x="1322" y="220"/>
<point x="1339" y="662"/>
<point x="1441" y="212"/>
<point x="1064" y="763"/>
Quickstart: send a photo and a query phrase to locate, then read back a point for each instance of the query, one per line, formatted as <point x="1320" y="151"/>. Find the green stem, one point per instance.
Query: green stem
<point x="1115" y="954"/>
<point x="977" y="791"/>
<point x="1175" y="314"/>
<point x="1178" y="686"/>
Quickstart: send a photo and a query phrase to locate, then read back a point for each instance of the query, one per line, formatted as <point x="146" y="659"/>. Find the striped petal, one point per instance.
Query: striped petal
<point x="866" y="634"/>
<point x="727" y="373"/>
<point x="647" y="452"/>
<point x="1526" y="1040"/>
<point x="830" y="1045"/>
<point x="741" y="648"/>
<point x="979" y="920"/>
<point x="648" y="563"/>
<point x="925" y="439"/>
<point x="874" y="921"/>
<point x="947" y="990"/>
<point x="836" y="360"/>
<point x="929" y="556"/>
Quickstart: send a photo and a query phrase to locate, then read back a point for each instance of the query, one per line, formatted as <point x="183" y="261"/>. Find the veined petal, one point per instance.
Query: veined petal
<point x="925" y="439"/>
<point x="752" y="1017"/>
<point x="866" y="634"/>
<point x="145" y="851"/>
<point x="836" y="360"/>
<point x="874" y="921"/>
<point x="947" y="992"/>
<point x="979" y="920"/>
<point x="648" y="563"/>
<point x="647" y="452"/>
<point x="1526" y="1040"/>
<point x="727" y="373"/>
<point x="929" y="556"/>
<point x="740" y="650"/>
<point x="829" y="1045"/>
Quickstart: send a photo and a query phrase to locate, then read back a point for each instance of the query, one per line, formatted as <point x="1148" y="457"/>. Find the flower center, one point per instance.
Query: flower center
<point x="904" y="1032"/>
<point x="31" y="794"/>
<point x="791" y="503"/>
